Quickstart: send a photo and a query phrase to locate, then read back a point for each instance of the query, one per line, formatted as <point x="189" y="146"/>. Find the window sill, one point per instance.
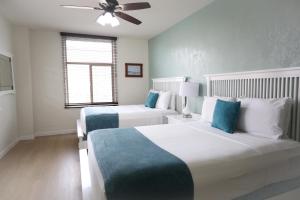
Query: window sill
<point x="90" y="105"/>
<point x="7" y="92"/>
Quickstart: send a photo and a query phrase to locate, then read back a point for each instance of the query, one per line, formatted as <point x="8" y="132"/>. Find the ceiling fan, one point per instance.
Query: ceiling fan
<point x="113" y="9"/>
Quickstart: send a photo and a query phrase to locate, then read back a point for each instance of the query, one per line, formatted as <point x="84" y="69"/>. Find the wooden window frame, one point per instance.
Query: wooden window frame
<point x="90" y="65"/>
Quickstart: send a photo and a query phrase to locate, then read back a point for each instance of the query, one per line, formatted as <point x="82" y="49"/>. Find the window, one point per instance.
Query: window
<point x="89" y="70"/>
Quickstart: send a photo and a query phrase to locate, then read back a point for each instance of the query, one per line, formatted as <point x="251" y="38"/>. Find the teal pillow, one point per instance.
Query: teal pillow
<point x="226" y="115"/>
<point x="151" y="100"/>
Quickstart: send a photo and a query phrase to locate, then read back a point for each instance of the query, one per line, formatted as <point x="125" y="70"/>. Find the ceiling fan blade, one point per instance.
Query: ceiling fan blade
<point x="81" y="7"/>
<point x="128" y="18"/>
<point x="135" y="6"/>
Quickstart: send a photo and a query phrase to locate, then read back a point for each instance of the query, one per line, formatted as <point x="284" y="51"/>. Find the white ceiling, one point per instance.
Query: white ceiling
<point x="47" y="14"/>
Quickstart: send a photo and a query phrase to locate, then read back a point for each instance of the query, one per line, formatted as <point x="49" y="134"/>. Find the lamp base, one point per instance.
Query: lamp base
<point x="187" y="116"/>
<point x="186" y="113"/>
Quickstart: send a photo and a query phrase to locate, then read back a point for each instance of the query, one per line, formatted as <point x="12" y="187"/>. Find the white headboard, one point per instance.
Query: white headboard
<point x="170" y="84"/>
<point x="274" y="83"/>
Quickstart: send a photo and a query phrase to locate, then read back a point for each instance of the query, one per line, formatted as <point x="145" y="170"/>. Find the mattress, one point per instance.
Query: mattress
<point x="134" y="115"/>
<point x="223" y="166"/>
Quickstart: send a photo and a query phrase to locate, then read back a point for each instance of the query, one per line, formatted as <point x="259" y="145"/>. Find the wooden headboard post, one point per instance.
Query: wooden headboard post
<point x="170" y="84"/>
<point x="272" y="83"/>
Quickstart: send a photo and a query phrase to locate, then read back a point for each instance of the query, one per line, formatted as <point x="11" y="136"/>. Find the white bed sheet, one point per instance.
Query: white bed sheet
<point x="223" y="166"/>
<point x="134" y="115"/>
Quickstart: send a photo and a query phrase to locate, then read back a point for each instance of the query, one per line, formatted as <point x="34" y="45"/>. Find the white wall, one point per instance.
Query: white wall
<point x="23" y="79"/>
<point x="8" y="116"/>
<point x="132" y="90"/>
<point x="49" y="114"/>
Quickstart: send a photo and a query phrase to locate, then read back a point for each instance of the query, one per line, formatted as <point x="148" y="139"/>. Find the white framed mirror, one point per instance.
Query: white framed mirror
<point x="7" y="85"/>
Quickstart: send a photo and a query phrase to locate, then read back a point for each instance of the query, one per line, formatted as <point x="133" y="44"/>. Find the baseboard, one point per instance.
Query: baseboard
<point x="9" y="147"/>
<point x="56" y="132"/>
<point x="31" y="137"/>
<point x="26" y="137"/>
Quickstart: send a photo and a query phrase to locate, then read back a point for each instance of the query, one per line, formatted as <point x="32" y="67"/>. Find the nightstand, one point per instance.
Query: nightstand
<point x="178" y="119"/>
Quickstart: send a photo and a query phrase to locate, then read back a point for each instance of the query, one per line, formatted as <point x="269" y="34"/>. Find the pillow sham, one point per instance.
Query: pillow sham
<point x="226" y="115"/>
<point x="151" y="100"/>
<point x="265" y="117"/>
<point x="208" y="107"/>
<point x="163" y="100"/>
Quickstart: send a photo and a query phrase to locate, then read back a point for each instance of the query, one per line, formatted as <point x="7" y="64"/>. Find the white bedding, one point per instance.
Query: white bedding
<point x="134" y="115"/>
<point x="223" y="166"/>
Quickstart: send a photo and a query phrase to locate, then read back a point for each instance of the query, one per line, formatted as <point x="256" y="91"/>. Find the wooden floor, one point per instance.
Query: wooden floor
<point x="46" y="168"/>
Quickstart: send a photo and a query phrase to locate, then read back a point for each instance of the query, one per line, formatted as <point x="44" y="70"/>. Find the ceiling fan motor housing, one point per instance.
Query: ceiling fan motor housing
<point x="110" y="6"/>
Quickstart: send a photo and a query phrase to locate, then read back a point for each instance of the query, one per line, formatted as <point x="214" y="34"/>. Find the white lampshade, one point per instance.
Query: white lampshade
<point x="188" y="89"/>
<point x="115" y="22"/>
<point x="108" y="17"/>
<point x="101" y="20"/>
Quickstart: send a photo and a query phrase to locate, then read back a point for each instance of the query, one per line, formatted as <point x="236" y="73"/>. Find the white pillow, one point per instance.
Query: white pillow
<point x="208" y="107"/>
<point x="163" y="100"/>
<point x="265" y="117"/>
<point x="172" y="104"/>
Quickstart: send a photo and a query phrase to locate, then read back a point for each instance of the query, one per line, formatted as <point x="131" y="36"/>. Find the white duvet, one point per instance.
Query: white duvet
<point x="223" y="166"/>
<point x="134" y="115"/>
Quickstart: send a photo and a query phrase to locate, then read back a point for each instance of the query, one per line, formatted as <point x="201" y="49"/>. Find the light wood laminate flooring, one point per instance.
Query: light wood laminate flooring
<point x="46" y="168"/>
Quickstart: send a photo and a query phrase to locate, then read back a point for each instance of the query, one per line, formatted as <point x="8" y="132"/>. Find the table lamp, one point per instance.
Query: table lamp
<point x="188" y="89"/>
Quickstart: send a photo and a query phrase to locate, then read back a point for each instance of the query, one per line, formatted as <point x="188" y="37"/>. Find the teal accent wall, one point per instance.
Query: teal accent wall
<point x="229" y="36"/>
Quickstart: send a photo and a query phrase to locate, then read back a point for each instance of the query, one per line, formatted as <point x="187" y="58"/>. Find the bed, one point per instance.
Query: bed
<point x="129" y="115"/>
<point x="210" y="164"/>
<point x="123" y="116"/>
<point x="222" y="166"/>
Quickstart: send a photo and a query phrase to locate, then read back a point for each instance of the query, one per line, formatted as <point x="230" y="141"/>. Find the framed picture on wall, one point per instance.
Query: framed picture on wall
<point x="133" y="70"/>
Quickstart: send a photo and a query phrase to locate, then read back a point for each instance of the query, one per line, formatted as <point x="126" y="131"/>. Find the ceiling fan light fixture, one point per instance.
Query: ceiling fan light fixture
<point x="108" y="19"/>
<point x="112" y="9"/>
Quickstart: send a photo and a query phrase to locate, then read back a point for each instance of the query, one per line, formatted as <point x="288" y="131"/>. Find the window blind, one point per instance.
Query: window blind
<point x="90" y="75"/>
